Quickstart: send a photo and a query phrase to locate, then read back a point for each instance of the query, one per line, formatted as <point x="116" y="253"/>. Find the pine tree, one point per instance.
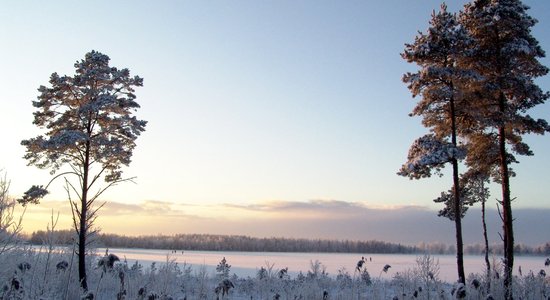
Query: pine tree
<point x="90" y="132"/>
<point x="506" y="56"/>
<point x="223" y="269"/>
<point x="440" y="82"/>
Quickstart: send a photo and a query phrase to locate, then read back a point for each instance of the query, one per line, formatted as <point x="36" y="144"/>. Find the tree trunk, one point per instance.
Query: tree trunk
<point x="457" y="198"/>
<point x="486" y="240"/>
<point x="82" y="252"/>
<point x="82" y="230"/>
<point x="458" y="225"/>
<point x="507" y="221"/>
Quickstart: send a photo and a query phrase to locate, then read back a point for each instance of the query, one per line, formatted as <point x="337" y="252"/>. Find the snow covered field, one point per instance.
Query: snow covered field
<point x="247" y="263"/>
<point x="36" y="273"/>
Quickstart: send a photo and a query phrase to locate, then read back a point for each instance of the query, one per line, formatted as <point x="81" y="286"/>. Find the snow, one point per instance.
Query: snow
<point x="31" y="273"/>
<point x="427" y="153"/>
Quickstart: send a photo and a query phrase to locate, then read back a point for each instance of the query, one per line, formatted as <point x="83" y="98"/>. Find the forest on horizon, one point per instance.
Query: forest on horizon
<point x="214" y="242"/>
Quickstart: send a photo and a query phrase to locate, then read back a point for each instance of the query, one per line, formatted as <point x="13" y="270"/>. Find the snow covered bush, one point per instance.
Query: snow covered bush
<point x="27" y="274"/>
<point x="10" y="224"/>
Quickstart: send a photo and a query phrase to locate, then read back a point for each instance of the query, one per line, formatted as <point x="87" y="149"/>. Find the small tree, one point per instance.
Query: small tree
<point x="10" y="225"/>
<point x="476" y="184"/>
<point x="90" y="131"/>
<point x="223" y="269"/>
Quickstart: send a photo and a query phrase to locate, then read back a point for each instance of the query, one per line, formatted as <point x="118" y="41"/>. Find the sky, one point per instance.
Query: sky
<point x="266" y="118"/>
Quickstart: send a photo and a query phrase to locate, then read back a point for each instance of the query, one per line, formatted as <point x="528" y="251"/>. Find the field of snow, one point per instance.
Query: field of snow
<point x="246" y="264"/>
<point x="37" y="273"/>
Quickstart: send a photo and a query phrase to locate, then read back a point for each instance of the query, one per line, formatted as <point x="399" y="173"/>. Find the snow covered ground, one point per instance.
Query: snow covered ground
<point x="36" y="273"/>
<point x="247" y="263"/>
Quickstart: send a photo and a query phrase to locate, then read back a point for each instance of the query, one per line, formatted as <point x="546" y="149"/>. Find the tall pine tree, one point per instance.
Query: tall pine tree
<point x="440" y="83"/>
<point x="506" y="56"/>
<point x="89" y="132"/>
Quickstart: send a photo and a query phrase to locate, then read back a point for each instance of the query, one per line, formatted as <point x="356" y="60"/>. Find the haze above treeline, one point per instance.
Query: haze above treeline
<point x="213" y="242"/>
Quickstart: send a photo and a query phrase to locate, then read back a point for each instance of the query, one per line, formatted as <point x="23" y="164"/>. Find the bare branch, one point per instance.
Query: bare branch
<point x="499" y="212"/>
<point x="96" y="177"/>
<point x="10" y="226"/>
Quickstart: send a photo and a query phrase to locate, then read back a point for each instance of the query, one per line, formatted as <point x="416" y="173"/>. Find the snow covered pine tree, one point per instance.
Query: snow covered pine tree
<point x="88" y="123"/>
<point x="506" y="56"/>
<point x="440" y="82"/>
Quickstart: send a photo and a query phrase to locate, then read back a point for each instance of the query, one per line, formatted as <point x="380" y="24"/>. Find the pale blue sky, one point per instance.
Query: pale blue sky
<point x="248" y="101"/>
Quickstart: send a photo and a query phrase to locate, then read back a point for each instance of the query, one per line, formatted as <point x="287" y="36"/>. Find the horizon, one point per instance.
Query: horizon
<point x="263" y="117"/>
<point x="406" y="225"/>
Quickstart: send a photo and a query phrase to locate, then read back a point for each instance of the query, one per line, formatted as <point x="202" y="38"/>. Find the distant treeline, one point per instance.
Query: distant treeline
<point x="211" y="242"/>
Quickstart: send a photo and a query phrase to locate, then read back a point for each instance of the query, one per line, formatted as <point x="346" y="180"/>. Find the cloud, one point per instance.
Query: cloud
<point x="311" y="205"/>
<point x="326" y="208"/>
<point x="145" y="207"/>
<point x="407" y="225"/>
<point x="117" y="208"/>
<point x="110" y="207"/>
<point x="317" y="208"/>
<point x="46" y="207"/>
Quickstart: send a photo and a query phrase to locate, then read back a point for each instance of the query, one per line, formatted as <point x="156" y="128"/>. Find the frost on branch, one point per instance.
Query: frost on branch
<point x="89" y="114"/>
<point x="65" y="138"/>
<point x="429" y="153"/>
<point x="33" y="195"/>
